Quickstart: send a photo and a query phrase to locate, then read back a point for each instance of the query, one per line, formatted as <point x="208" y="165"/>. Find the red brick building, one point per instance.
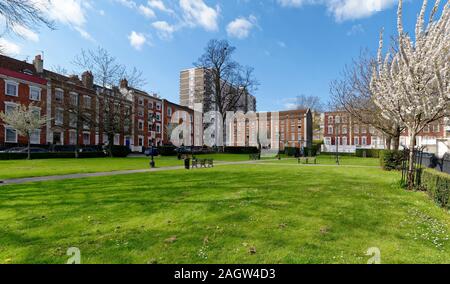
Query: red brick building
<point x="76" y="108"/>
<point x="21" y="84"/>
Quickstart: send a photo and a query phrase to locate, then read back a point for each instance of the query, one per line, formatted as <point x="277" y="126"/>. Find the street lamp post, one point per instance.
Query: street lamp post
<point x="337" y="131"/>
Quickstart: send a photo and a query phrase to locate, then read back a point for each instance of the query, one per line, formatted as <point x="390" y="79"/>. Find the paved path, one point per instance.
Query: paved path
<point x="105" y="174"/>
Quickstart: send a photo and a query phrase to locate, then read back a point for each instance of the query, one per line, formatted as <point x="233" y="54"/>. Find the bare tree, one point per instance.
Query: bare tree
<point x="230" y="81"/>
<point x="107" y="71"/>
<point x="352" y="93"/>
<point x="309" y="102"/>
<point x="27" y="14"/>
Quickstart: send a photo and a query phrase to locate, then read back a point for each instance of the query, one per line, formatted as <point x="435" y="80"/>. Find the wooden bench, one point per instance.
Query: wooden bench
<point x="255" y="157"/>
<point x="307" y="160"/>
<point x="202" y="163"/>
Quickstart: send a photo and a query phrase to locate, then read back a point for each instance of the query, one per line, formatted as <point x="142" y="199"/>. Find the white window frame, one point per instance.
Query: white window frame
<point x="344" y="141"/>
<point x="140" y="121"/>
<point x="364" y="141"/>
<point x="39" y="90"/>
<point x="73" y="94"/>
<point x="89" y="135"/>
<point x="87" y="101"/>
<point x="38" y="141"/>
<point x="72" y="139"/>
<point x="56" y="95"/>
<point x="158" y="106"/>
<point x="158" y="128"/>
<point x="328" y="141"/>
<point x="6" y="136"/>
<point x="356" y="141"/>
<point x="169" y="111"/>
<point x="330" y="130"/>
<point x="9" y="104"/>
<point x="57" y="122"/>
<point x="16" y="84"/>
<point x="117" y="139"/>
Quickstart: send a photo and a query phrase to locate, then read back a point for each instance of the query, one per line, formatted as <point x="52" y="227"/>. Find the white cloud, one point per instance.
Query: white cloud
<point x="356" y="29"/>
<point x="165" y="30"/>
<point x="197" y="13"/>
<point x="9" y="48"/>
<point x="26" y="33"/>
<point x="343" y="10"/>
<point x="241" y="27"/>
<point x="137" y="40"/>
<point x="127" y="3"/>
<point x="68" y="12"/>
<point x="146" y="11"/>
<point x="159" y="4"/>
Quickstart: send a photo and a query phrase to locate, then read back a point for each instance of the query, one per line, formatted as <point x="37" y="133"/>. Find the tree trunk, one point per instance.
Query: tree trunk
<point x="411" y="168"/>
<point x="29" y="148"/>
<point x="77" y="142"/>
<point x="388" y="143"/>
<point x="111" y="145"/>
<point x="396" y="143"/>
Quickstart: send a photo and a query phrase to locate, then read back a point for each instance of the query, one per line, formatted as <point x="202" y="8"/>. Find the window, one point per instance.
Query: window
<point x="344" y="130"/>
<point x="150" y="128"/>
<point x="86" y="123"/>
<point x="330" y="120"/>
<point x="356" y="129"/>
<point x="344" y="141"/>
<point x="59" y="95"/>
<point x="9" y="107"/>
<point x="158" y="106"/>
<point x="330" y="130"/>
<point x="72" y="138"/>
<point x="74" y="99"/>
<point x="87" y="101"/>
<point x="364" y="130"/>
<point x="150" y="105"/>
<point x="141" y="101"/>
<point x="73" y="120"/>
<point x="86" y="138"/>
<point x="57" y="138"/>
<point x="140" y="141"/>
<point x="117" y="139"/>
<point x="141" y="112"/>
<point x="364" y="141"/>
<point x="356" y="141"/>
<point x="12" y="89"/>
<point x="10" y="135"/>
<point x="36" y="112"/>
<point x="59" y="117"/>
<point x="338" y="119"/>
<point x="372" y="130"/>
<point x="141" y="125"/>
<point x="328" y="141"/>
<point x="169" y="111"/>
<point x="158" y="128"/>
<point x="437" y="128"/>
<point x="35" y="94"/>
<point x="158" y="117"/>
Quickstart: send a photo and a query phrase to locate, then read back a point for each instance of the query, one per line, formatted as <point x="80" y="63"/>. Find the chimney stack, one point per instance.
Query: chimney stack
<point x="124" y="84"/>
<point x="88" y="80"/>
<point x="38" y="64"/>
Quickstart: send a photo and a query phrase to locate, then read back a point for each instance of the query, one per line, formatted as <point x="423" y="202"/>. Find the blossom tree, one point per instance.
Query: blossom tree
<point x="411" y="84"/>
<point x="25" y="120"/>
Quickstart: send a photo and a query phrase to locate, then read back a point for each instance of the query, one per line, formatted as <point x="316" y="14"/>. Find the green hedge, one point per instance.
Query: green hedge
<point x="51" y="155"/>
<point x="437" y="185"/>
<point x="120" y="151"/>
<point x="241" y="150"/>
<point x="392" y="160"/>
<point x="167" y="150"/>
<point x="291" y="151"/>
<point x="369" y="153"/>
<point x="340" y="154"/>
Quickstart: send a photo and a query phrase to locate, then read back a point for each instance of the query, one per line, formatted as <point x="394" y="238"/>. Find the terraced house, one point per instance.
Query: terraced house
<point x="81" y="112"/>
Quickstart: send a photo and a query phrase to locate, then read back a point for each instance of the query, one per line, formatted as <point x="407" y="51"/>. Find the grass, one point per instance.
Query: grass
<point x="343" y="160"/>
<point x="229" y="214"/>
<point x="34" y="168"/>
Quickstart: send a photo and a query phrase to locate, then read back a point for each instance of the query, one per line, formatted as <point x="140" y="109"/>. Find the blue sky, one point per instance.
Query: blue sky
<point x="296" y="46"/>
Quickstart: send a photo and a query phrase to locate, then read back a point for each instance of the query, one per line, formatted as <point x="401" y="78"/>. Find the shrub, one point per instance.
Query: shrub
<point x="241" y="150"/>
<point x="392" y="160"/>
<point x="437" y="185"/>
<point x="291" y="151"/>
<point x="167" y="150"/>
<point x="313" y="151"/>
<point x="368" y="153"/>
<point x="340" y="154"/>
<point x="119" y="151"/>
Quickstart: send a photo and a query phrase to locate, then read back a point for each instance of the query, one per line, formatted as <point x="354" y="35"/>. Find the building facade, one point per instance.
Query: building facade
<point x="196" y="87"/>
<point x="78" y="109"/>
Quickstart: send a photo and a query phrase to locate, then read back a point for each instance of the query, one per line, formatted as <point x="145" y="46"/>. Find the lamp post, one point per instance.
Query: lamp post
<point x="337" y="140"/>
<point x="152" y="118"/>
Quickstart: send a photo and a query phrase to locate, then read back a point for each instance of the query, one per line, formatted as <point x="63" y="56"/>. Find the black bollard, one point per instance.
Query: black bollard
<point x="187" y="164"/>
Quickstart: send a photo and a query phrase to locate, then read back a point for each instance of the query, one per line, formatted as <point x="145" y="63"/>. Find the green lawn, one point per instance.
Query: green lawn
<point x="229" y="214"/>
<point x="331" y="160"/>
<point x="34" y="168"/>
